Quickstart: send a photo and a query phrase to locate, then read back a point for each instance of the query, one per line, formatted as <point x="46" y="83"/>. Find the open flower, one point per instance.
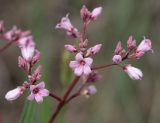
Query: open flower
<point x="134" y="73"/>
<point x="14" y="94"/>
<point x="81" y="65"/>
<point x="38" y="92"/>
<point x="65" y="24"/>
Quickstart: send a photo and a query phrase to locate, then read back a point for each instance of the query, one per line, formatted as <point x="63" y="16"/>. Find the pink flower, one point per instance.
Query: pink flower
<point x="81" y="65"/>
<point x="70" y="48"/>
<point x="131" y="44"/>
<point x="65" y="24"/>
<point x="117" y="59"/>
<point x="38" y="92"/>
<point x="36" y="57"/>
<point x="134" y="73"/>
<point x="95" y="13"/>
<point x="27" y="47"/>
<point x="14" y="94"/>
<point x="94" y="50"/>
<point x="118" y="49"/>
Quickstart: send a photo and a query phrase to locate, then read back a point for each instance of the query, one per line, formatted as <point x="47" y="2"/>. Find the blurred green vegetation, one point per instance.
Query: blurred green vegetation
<point x="119" y="99"/>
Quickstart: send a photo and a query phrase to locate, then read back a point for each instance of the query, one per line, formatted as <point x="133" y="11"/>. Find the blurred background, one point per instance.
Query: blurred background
<point x="119" y="99"/>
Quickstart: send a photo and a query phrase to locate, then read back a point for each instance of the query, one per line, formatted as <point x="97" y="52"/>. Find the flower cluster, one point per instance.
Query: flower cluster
<point x="133" y="52"/>
<point x="30" y="56"/>
<point x="83" y="55"/>
<point x="82" y="65"/>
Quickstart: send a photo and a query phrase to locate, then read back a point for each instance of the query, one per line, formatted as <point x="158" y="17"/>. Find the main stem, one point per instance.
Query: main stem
<point x="62" y="102"/>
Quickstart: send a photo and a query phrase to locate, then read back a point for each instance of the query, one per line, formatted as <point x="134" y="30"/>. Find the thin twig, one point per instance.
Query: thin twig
<point x="55" y="96"/>
<point x="103" y="66"/>
<point x="6" y="46"/>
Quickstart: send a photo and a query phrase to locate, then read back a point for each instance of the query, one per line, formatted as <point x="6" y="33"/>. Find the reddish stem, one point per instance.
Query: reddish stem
<point x="6" y="46"/>
<point x="62" y="102"/>
<point x="70" y="88"/>
<point x="103" y="66"/>
<point x="55" y="97"/>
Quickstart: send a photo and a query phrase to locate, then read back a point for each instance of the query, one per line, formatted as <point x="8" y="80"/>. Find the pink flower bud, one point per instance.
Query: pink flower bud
<point x="67" y="26"/>
<point x="95" y="13"/>
<point x="118" y="49"/>
<point x="90" y="90"/>
<point x="27" y="46"/>
<point x="21" y="62"/>
<point x="1" y="26"/>
<point x="85" y="14"/>
<point x="70" y="48"/>
<point x="14" y="94"/>
<point x="138" y="55"/>
<point x="134" y="73"/>
<point x="117" y="59"/>
<point x="144" y="46"/>
<point x="36" y="75"/>
<point x="13" y="34"/>
<point x="94" y="50"/>
<point x="94" y="76"/>
<point x="36" y="57"/>
<point x="131" y="44"/>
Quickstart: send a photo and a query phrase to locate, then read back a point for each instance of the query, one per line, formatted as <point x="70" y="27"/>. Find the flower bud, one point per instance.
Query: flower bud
<point x="21" y="62"/>
<point x="117" y="59"/>
<point x="131" y="44"/>
<point x="85" y="14"/>
<point x="134" y="73"/>
<point x="14" y="94"/>
<point x="36" y="57"/>
<point x="90" y="90"/>
<point x="144" y="46"/>
<point x="70" y="48"/>
<point x="118" y="49"/>
<point x="36" y="75"/>
<point x="13" y="34"/>
<point x="95" y="13"/>
<point x="27" y="46"/>
<point x="93" y="77"/>
<point x="1" y="26"/>
<point x="94" y="50"/>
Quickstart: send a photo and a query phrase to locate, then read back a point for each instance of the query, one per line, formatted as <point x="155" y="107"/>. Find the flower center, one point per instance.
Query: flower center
<point x="82" y="62"/>
<point x="36" y="90"/>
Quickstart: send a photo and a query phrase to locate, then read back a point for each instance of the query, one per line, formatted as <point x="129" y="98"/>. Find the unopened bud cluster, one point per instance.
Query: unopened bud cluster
<point x="133" y="52"/>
